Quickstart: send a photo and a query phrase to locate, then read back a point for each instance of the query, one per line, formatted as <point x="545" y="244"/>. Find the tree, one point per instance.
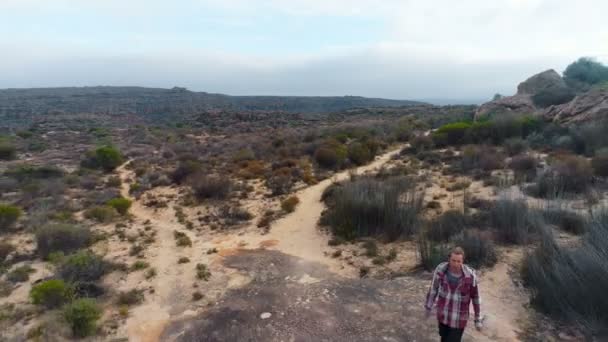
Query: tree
<point x="585" y="72"/>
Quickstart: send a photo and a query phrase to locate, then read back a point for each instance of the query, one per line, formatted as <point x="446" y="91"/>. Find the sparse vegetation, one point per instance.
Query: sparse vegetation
<point x="100" y="213"/>
<point x="369" y="207"/>
<point x="202" y="272"/>
<point x="514" y="221"/>
<point x="61" y="237"/>
<point x="289" y="204"/>
<point x="121" y="205"/>
<point x="9" y="215"/>
<point x="82" y="315"/>
<point x="51" y="293"/>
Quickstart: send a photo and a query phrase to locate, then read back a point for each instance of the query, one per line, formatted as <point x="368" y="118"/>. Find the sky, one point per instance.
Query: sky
<point x="460" y="51"/>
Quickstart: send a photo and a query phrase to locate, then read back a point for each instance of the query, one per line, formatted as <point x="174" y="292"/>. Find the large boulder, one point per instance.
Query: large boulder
<point x="548" y="79"/>
<point x="522" y="103"/>
<point x="589" y="106"/>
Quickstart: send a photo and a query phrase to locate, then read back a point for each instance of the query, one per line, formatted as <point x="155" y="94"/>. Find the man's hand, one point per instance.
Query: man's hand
<point x="478" y="324"/>
<point x="427" y="313"/>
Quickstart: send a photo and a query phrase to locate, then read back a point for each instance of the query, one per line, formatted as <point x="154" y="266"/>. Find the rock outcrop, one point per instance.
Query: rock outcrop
<point x="521" y="103"/>
<point x="586" y="107"/>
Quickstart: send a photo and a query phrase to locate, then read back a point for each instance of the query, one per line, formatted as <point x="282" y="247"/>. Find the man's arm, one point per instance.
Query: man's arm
<point x="433" y="291"/>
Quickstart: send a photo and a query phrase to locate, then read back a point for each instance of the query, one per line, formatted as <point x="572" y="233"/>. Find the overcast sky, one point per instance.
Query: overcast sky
<point x="407" y="49"/>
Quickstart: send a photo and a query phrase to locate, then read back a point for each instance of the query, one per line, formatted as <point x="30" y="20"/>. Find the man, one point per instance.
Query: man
<point x="456" y="286"/>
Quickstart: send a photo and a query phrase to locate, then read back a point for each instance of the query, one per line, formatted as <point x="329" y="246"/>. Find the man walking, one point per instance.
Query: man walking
<point x="456" y="285"/>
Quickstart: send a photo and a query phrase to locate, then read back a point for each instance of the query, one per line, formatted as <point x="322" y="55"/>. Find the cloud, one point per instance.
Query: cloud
<point x="400" y="49"/>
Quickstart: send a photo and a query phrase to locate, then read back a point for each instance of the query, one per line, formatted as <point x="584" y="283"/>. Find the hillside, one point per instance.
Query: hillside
<point x="23" y="105"/>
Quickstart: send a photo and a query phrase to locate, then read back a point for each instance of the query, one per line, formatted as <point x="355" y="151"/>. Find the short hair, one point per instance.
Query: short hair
<point x="457" y="250"/>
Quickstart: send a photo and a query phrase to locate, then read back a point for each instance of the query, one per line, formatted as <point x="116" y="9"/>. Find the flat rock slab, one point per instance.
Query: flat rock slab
<point x="278" y="306"/>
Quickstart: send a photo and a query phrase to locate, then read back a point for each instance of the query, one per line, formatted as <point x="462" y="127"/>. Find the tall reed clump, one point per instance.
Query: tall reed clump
<point x="370" y="207"/>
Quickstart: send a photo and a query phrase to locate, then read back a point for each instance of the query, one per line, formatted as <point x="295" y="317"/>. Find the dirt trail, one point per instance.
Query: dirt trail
<point x="295" y="234"/>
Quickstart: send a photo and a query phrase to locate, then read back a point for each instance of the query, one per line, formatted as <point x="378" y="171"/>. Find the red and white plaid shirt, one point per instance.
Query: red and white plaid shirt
<point x="453" y="305"/>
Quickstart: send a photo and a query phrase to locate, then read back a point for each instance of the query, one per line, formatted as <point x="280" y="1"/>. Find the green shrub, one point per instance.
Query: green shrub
<point x="584" y="72"/>
<point x="20" y="274"/>
<point x="82" y="315"/>
<point x="113" y="182"/>
<point x="62" y="237"/>
<point x="9" y="215"/>
<point x="359" y="153"/>
<point x="83" y="266"/>
<point x="289" y="204"/>
<point x="121" y="205"/>
<point x="100" y="213"/>
<point x="455" y="133"/>
<point x="421" y="143"/>
<point x="371" y="207"/>
<point x="331" y="154"/>
<point x="7" y="151"/>
<point x="50" y="293"/>
<point x="106" y="158"/>
<point x="139" y="265"/>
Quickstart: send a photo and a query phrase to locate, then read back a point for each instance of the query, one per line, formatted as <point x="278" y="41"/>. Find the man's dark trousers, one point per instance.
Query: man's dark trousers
<point x="449" y="334"/>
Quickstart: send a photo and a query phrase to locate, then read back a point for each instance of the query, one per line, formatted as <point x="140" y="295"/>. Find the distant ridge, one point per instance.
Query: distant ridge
<point x="156" y="102"/>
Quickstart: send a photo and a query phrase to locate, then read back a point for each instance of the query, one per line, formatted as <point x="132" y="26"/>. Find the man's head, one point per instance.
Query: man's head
<point x="456" y="258"/>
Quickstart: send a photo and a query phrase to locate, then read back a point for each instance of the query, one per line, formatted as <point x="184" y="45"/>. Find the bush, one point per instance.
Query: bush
<point x="211" y="187"/>
<point x="83" y="266"/>
<point x="131" y="297"/>
<point x="568" y="283"/>
<point x="121" y="205"/>
<point x="331" y="155"/>
<point x="514" y="146"/>
<point x="100" y="213"/>
<point x="478" y="247"/>
<point x="63" y="237"/>
<point x="421" y="143"/>
<point x="359" y="153"/>
<point x="524" y="166"/>
<point x="454" y="133"/>
<point x="181" y="239"/>
<point x="202" y="272"/>
<point x="431" y="253"/>
<point x="370" y="207"/>
<point x="9" y="215"/>
<point x="185" y="169"/>
<point x="445" y="226"/>
<point x="20" y="274"/>
<point x="568" y="174"/>
<point x="514" y="221"/>
<point x="599" y="163"/>
<point x="5" y="249"/>
<point x="7" y="151"/>
<point x="585" y="71"/>
<point x="289" y="204"/>
<point x="106" y="158"/>
<point x="50" y="293"/>
<point x="552" y="96"/>
<point x="566" y="220"/>
<point x="82" y="315"/>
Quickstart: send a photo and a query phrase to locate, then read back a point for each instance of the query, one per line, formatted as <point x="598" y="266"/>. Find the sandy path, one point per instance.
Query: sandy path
<point x="147" y="321"/>
<point x="295" y="234"/>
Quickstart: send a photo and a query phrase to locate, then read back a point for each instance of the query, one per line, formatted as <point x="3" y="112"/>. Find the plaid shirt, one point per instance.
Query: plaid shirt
<point x="453" y="306"/>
